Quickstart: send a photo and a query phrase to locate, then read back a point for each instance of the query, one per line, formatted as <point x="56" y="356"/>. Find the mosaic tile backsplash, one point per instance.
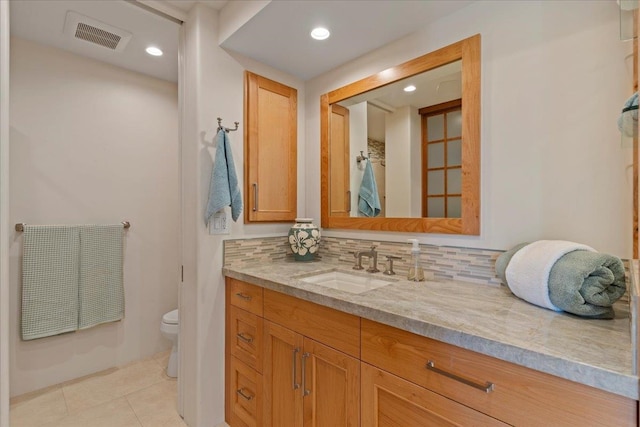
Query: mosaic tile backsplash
<point x="449" y="263"/>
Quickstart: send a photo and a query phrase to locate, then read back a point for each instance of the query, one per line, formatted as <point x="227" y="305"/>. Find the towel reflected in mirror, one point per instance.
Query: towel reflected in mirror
<point x="368" y="198"/>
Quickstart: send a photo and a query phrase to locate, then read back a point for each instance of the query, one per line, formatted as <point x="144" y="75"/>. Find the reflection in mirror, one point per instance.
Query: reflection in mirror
<point x="407" y="133"/>
<point x="400" y="149"/>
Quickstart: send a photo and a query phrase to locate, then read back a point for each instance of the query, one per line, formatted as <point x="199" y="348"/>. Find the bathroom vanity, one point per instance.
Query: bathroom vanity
<point x="427" y="353"/>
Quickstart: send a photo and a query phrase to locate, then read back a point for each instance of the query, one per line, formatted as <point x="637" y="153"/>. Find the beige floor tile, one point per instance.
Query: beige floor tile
<point x="163" y="360"/>
<point x="116" y="413"/>
<point x="162" y="357"/>
<point x="38" y="410"/>
<point x="98" y="390"/>
<point x="156" y="406"/>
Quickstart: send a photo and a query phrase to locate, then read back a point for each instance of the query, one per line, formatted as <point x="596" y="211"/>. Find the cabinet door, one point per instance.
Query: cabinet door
<point x="282" y="375"/>
<point x="270" y="150"/>
<point x="339" y="164"/>
<point x="331" y="386"/>
<point x="390" y="401"/>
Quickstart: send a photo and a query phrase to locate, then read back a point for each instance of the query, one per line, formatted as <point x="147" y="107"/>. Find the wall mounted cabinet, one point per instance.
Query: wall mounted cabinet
<point x="270" y="147"/>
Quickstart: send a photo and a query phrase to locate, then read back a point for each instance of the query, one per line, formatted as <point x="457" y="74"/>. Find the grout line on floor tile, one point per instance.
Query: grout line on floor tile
<point x="64" y="396"/>
<point x="133" y="409"/>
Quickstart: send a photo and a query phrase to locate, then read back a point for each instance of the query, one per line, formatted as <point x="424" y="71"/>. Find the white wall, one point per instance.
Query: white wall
<point x="398" y="154"/>
<point x="93" y="143"/>
<point x="554" y="78"/>
<point x="415" y="162"/>
<point x="4" y="213"/>
<point x="213" y="87"/>
<point x="358" y="125"/>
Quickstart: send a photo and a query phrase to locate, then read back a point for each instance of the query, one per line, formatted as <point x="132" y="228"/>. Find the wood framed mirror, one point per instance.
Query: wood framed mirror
<point x="428" y="163"/>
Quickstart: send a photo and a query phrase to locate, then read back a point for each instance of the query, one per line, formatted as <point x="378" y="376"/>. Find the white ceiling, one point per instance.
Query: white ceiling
<point x="278" y="35"/>
<point x="43" y="22"/>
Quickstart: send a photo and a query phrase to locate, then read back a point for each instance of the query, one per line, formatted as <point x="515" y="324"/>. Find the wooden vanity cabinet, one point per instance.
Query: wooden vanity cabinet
<point x="502" y="390"/>
<point x="307" y="383"/>
<point x="303" y="371"/>
<point x="388" y="400"/>
<point x="244" y="401"/>
<point x="313" y="365"/>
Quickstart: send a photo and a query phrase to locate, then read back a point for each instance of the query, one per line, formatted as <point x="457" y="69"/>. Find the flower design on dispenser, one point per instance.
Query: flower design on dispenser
<point x="304" y="239"/>
<point x="303" y="242"/>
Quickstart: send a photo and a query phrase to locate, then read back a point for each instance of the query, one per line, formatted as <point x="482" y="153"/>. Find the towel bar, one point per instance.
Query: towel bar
<point x="20" y="226"/>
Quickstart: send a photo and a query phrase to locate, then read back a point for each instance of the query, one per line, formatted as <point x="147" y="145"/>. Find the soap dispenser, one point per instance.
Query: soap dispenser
<point x="416" y="273"/>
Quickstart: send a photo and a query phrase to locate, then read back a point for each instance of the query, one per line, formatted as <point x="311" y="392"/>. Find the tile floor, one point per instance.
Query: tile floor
<point x="137" y="395"/>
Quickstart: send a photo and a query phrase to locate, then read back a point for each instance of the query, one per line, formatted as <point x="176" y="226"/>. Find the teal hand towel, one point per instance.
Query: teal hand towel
<point x="223" y="187"/>
<point x="100" y="285"/>
<point x="49" y="280"/>
<point x="369" y="200"/>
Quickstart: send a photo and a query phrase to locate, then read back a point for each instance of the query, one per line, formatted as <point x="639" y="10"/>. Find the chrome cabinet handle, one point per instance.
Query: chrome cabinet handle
<point x="246" y="338"/>
<point x="240" y="391"/>
<point x="305" y="392"/>
<point x="349" y="200"/>
<point x="294" y="384"/>
<point x="255" y="196"/>
<point x="486" y="387"/>
<point x="244" y="296"/>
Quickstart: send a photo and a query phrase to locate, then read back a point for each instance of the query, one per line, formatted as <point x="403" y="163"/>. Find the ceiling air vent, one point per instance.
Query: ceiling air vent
<point x="96" y="32"/>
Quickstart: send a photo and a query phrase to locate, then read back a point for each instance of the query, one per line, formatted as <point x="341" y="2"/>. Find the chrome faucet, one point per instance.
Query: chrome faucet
<point x="371" y="254"/>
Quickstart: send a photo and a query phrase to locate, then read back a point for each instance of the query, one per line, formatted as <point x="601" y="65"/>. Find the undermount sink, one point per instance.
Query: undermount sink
<point x="344" y="281"/>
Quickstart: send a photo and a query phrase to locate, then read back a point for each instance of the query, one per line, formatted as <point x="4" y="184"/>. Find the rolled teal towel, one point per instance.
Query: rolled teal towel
<point x="574" y="277"/>
<point x="369" y="203"/>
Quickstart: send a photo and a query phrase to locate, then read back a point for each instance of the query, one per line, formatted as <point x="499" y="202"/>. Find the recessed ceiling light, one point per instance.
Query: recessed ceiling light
<point x="410" y="88"/>
<point x="320" y="33"/>
<point x="151" y="50"/>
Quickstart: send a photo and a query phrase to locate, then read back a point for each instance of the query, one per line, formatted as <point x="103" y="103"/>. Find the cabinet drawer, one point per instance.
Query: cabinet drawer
<point x="245" y="395"/>
<point x="517" y="393"/>
<point x="390" y="400"/>
<point x="245" y="337"/>
<point x="245" y="296"/>
<point x="331" y="327"/>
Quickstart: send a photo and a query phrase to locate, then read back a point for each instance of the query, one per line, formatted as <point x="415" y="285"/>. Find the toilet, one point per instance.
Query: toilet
<point x="169" y="329"/>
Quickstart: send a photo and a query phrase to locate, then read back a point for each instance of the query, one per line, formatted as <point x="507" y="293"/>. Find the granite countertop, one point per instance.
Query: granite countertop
<point x="483" y="318"/>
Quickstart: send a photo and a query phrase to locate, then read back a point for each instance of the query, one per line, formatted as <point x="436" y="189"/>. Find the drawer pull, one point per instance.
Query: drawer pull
<point x="248" y="339"/>
<point x="294" y="384"/>
<point x="244" y="296"/>
<point x="486" y="387"/>
<point x="240" y="391"/>
<point x="305" y="392"/>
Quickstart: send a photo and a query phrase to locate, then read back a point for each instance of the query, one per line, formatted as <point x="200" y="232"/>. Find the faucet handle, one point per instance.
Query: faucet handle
<point x="358" y="261"/>
<point x="389" y="267"/>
